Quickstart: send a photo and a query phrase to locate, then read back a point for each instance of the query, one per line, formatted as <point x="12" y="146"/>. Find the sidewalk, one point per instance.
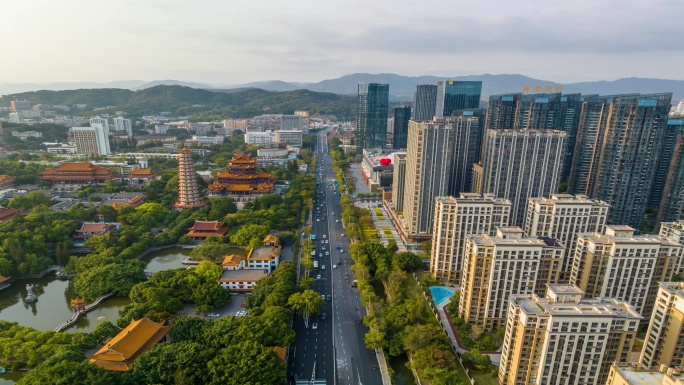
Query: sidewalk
<point x="448" y="328"/>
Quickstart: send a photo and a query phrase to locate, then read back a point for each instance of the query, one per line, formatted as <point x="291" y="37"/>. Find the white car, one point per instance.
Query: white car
<point x="314" y="326"/>
<point x="337" y="220"/>
<point x="214" y="315"/>
<point x="318" y="220"/>
<point x="324" y="237"/>
<point x="318" y="276"/>
<point x="327" y="253"/>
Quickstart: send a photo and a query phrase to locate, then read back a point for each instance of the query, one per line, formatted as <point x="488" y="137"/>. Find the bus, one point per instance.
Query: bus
<point x="313" y="237"/>
<point x="315" y="264"/>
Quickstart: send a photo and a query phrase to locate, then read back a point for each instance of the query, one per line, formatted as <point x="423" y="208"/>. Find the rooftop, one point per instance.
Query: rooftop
<point x="636" y="375"/>
<point x="472" y="198"/>
<point x="264" y="252"/>
<point x="243" y="275"/>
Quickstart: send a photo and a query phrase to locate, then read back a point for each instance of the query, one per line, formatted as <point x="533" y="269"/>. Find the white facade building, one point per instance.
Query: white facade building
<point x="123" y="124"/>
<point x="92" y="140"/>
<point x="265" y="139"/>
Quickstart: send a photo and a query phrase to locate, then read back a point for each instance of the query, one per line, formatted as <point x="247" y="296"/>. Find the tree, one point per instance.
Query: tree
<point x="426" y="247"/>
<point x="247" y="363"/>
<point x="104" y="331"/>
<point x="210" y="252"/>
<point x="167" y="361"/>
<point x="476" y="360"/>
<point x="408" y="261"/>
<point x="246" y="234"/>
<point x="220" y="207"/>
<point x="452" y="307"/>
<point x="69" y="372"/>
<point x="375" y="339"/>
<point x="307" y="302"/>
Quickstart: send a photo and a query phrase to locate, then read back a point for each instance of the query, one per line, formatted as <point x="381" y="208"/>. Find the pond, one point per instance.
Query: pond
<point x="53" y="306"/>
<point x="165" y="259"/>
<point x="402" y="374"/>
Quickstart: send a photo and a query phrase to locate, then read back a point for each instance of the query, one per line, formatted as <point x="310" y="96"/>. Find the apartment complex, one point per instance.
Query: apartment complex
<point x="674" y="231"/>
<point x="496" y="267"/>
<point x="520" y="164"/>
<point x="371" y="118"/>
<point x="631" y="374"/>
<point x="671" y="174"/>
<point x="563" y="216"/>
<point x="619" y="264"/>
<point x="455" y="219"/>
<point x="424" y="102"/>
<point x="565" y="339"/>
<point x="664" y="341"/>
<point x="123" y="124"/>
<point x="92" y="140"/>
<point x="398" y="181"/>
<point x="619" y="143"/>
<point x="429" y="167"/>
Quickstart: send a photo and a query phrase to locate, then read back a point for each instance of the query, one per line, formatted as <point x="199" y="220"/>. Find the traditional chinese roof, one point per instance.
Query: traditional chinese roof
<point x="78" y="171"/>
<point x="243" y="158"/>
<point x="185" y="151"/>
<point x="7" y="214"/>
<point x="281" y="352"/>
<point x="142" y="173"/>
<point x="205" y="229"/>
<point x="232" y="260"/>
<point x="95" y="227"/>
<point x="270" y="238"/>
<point x="122" y="350"/>
<point x="6" y="180"/>
<point x="4" y="279"/>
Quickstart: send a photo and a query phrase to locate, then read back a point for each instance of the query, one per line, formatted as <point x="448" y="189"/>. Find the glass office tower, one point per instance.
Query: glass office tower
<point x="371" y="119"/>
<point x="457" y="95"/>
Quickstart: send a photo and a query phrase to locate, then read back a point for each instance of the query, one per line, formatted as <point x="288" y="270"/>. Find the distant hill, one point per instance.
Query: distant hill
<point x="170" y="82"/>
<point x="199" y="104"/>
<point x="14" y="88"/>
<point x="401" y="87"/>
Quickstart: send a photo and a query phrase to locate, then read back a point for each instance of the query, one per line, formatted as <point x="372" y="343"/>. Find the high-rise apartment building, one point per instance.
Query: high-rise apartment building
<point x="674" y="231"/>
<point x="468" y="134"/>
<point x="617" y="158"/>
<point x="632" y="374"/>
<point x="563" y="216"/>
<point x="455" y="95"/>
<point x="669" y="182"/>
<point x="371" y="118"/>
<point x="520" y="164"/>
<point x="92" y="140"/>
<point x="20" y="105"/>
<point x="429" y="167"/>
<point x="399" y="181"/>
<point x="502" y="111"/>
<point x="123" y="124"/>
<point x="402" y="115"/>
<point x="496" y="267"/>
<point x="291" y="122"/>
<point x="424" y="102"/>
<point x="455" y="219"/>
<point x="565" y="339"/>
<point x="622" y="265"/>
<point x="664" y="341"/>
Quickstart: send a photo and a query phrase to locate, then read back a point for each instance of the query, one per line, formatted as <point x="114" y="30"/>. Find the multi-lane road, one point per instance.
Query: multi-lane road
<point x="334" y="350"/>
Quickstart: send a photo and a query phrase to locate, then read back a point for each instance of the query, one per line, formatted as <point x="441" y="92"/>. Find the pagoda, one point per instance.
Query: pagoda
<point x="188" y="191"/>
<point x="242" y="178"/>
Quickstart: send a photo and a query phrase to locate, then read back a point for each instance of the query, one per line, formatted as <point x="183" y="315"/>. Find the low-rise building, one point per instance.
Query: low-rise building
<point x="141" y="177"/>
<point x="267" y="256"/>
<point x="6" y="181"/>
<point x="91" y="229"/>
<point x="6" y="214"/>
<point x="203" y="229"/>
<point x="289" y="137"/>
<point x="241" y="281"/>
<point x="233" y="262"/>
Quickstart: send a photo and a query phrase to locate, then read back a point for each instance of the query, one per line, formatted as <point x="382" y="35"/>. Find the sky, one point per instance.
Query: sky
<point x="229" y="42"/>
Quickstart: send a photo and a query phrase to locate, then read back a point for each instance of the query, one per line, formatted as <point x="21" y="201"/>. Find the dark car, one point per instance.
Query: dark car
<point x="328" y="298"/>
<point x="323" y="316"/>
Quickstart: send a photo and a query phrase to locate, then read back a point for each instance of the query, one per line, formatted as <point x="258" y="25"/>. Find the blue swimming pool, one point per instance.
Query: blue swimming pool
<point x="440" y="294"/>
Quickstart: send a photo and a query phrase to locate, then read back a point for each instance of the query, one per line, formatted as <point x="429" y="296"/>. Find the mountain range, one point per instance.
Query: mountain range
<point x="401" y="87"/>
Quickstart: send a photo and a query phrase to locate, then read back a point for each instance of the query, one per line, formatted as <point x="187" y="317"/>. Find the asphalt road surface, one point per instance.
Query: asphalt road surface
<point x="336" y="347"/>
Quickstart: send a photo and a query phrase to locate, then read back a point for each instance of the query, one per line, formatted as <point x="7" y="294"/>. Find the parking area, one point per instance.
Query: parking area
<point x="236" y="304"/>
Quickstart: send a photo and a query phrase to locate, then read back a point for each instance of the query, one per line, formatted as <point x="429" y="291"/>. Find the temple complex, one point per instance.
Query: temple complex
<point x="203" y="229"/>
<point x="242" y="178"/>
<point x="188" y="191"/>
<point x="78" y="174"/>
